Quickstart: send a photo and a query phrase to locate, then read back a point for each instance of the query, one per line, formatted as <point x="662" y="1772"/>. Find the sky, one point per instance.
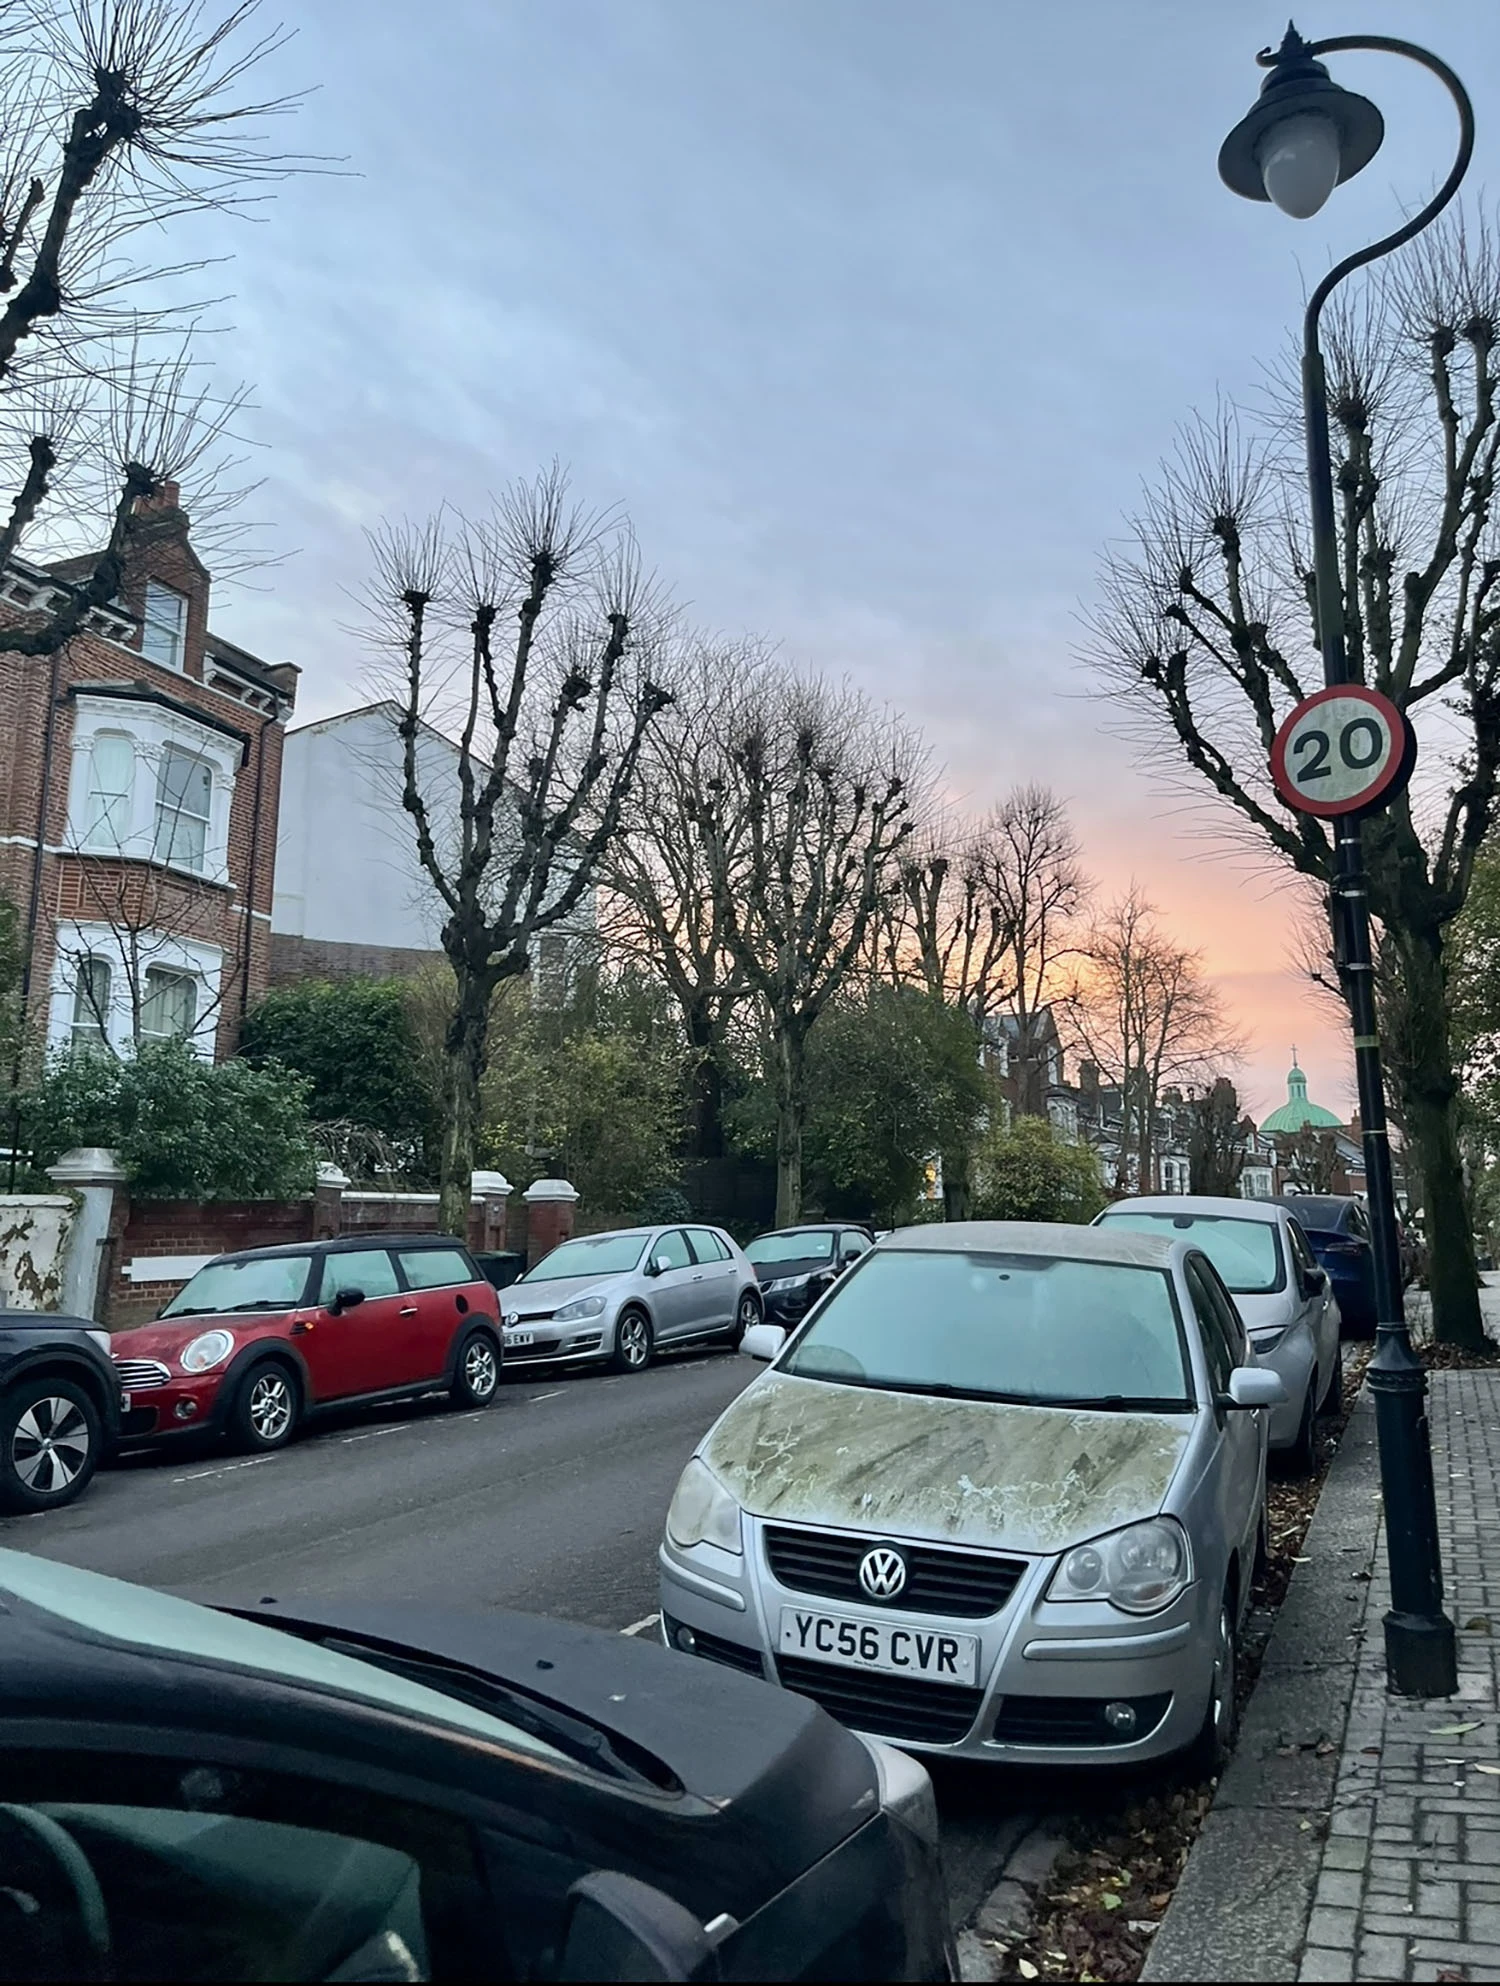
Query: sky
<point x="874" y="315"/>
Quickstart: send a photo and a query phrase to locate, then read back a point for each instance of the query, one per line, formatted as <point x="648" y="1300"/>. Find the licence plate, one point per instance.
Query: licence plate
<point x="519" y="1338"/>
<point x="892" y="1647"/>
<point x="124" y="1403"/>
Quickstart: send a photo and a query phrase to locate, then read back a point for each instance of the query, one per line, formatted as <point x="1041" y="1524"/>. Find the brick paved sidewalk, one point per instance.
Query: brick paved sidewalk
<point x="1409" y="1882"/>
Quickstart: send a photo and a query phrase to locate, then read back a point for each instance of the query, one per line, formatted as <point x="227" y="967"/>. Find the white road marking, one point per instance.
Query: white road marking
<point x="534" y="1397"/>
<point x="401" y="1427"/>
<point x="639" y="1627"/>
<point x="224" y="1469"/>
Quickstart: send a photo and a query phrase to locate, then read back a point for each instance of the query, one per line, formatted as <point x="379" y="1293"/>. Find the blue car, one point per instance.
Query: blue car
<point x="1338" y="1229"/>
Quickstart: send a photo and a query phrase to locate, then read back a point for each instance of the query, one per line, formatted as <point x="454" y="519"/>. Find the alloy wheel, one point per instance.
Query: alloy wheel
<point x="50" y="1445"/>
<point x="270" y="1406"/>
<point x="1224" y="1675"/>
<point x="635" y="1343"/>
<point x="749" y="1313"/>
<point x="480" y="1373"/>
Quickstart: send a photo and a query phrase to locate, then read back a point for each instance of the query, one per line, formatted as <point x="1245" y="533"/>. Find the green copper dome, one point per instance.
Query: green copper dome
<point x="1297" y="1114"/>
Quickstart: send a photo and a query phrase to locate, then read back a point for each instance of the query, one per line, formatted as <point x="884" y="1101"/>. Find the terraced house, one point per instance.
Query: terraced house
<point x="139" y="781"/>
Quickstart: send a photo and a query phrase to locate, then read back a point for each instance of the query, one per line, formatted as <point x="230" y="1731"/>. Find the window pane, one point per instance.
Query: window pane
<point x="1215" y="1344"/>
<point x="184" y="793"/>
<point x="590" y="1255"/>
<point x="171" y="1003"/>
<point x="367" y="1269"/>
<point x="264" y="1282"/>
<point x="707" y="1246"/>
<point x="673" y="1250"/>
<point x="165" y="625"/>
<point x="111" y="778"/>
<point x="433" y="1268"/>
<point x="91" y="1000"/>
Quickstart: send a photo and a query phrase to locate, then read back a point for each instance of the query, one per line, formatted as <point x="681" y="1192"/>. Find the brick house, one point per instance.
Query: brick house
<point x="139" y="787"/>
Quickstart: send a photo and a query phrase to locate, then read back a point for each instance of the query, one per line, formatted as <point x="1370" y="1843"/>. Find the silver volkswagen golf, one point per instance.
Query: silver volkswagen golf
<point x="617" y="1298"/>
<point x="1000" y="1495"/>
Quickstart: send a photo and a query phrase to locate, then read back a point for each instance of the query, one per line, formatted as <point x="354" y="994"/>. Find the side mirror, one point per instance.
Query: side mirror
<point x="618" y="1928"/>
<point x="1314" y="1281"/>
<point x="1251" y="1387"/>
<point x="763" y="1341"/>
<point x="658" y="1265"/>
<point x="346" y="1300"/>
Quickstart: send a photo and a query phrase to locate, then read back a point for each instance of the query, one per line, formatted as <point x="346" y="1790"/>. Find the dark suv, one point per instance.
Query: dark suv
<point x="59" y="1407"/>
<point x="257" y="1341"/>
<point x="794" y="1265"/>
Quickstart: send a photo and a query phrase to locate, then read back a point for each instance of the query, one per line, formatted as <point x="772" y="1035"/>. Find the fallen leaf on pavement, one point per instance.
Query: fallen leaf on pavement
<point x="1454" y="1730"/>
<point x="1492" y="1770"/>
<point x="1026" y="1969"/>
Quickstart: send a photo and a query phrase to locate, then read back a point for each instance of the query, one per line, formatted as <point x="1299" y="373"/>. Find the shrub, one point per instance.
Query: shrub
<point x="1025" y="1172"/>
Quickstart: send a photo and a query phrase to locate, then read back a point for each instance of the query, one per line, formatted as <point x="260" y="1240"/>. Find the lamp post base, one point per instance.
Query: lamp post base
<point x="1421" y="1654"/>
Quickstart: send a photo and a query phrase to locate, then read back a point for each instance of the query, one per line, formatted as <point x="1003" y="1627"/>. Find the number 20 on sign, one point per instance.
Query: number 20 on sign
<point x="1343" y="751"/>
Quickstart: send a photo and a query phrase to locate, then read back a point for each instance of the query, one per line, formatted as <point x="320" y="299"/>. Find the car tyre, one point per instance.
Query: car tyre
<point x="476" y="1370"/>
<point x="1210" y="1750"/>
<point x="50" y="1440"/>
<point x="267" y="1407"/>
<point x="1333" y="1392"/>
<point x="746" y="1316"/>
<point x="1262" y="1544"/>
<point x="1302" y="1456"/>
<point x="635" y="1342"/>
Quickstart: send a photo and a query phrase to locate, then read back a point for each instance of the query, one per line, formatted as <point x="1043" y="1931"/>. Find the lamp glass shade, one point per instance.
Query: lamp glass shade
<point x="1299" y="163"/>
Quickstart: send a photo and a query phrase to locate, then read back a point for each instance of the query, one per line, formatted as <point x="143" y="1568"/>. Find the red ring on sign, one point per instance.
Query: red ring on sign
<point x="1398" y="763"/>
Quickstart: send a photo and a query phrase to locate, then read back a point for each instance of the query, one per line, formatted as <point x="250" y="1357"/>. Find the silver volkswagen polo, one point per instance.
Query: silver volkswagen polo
<point x="618" y="1298"/>
<point x="1001" y="1495"/>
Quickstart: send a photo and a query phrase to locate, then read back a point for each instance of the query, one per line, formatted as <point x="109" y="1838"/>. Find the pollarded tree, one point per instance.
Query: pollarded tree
<point x="1208" y="630"/>
<point x="1219" y="1136"/>
<point x="802" y="826"/>
<point x="531" y="634"/>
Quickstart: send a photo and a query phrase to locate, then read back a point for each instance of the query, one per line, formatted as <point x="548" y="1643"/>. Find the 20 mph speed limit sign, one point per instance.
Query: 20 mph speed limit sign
<point x="1342" y="751"/>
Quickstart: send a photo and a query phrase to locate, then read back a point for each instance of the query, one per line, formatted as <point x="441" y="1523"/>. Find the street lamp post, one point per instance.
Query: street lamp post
<point x="1303" y="137"/>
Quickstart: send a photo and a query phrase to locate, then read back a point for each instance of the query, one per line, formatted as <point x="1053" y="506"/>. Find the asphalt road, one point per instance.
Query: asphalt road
<point x="550" y="1501"/>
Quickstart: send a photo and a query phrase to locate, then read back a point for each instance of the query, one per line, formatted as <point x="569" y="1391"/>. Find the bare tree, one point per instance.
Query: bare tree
<point x="1208" y="629"/>
<point x="532" y="634"/>
<point x="1143" y="1013"/>
<point x="802" y="830"/>
<point x="116" y="119"/>
<point x="1218" y="1139"/>
<point x="662" y="907"/>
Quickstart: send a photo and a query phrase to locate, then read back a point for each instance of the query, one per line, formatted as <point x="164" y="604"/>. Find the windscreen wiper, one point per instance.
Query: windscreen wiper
<point x="1125" y="1403"/>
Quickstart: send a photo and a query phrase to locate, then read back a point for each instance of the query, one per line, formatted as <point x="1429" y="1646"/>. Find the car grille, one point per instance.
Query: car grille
<point x="1073" y="1720"/>
<point x="887" y="1706"/>
<point x="714" y="1648"/>
<point x="138" y="1374"/>
<point x="965" y="1585"/>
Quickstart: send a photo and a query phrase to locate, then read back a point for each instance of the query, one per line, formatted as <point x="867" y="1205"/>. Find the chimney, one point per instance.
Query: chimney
<point x="168" y="496"/>
<point x="1088" y="1078"/>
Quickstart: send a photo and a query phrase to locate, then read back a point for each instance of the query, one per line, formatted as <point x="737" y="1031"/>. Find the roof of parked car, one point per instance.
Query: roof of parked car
<point x="1077" y="1244"/>
<point x="1217" y="1206"/>
<point x="333" y="1242"/>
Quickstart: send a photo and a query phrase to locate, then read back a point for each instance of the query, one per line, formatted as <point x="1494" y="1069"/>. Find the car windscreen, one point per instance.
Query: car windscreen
<point x="146" y="1619"/>
<point x="259" y="1282"/>
<point x="1036" y="1329"/>
<point x="812" y="1246"/>
<point x="591" y="1255"/>
<point x="1247" y="1254"/>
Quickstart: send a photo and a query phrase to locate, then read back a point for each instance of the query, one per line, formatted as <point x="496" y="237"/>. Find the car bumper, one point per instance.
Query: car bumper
<point x="551" y="1346"/>
<point x="1045" y="1671"/>
<point x="183" y="1406"/>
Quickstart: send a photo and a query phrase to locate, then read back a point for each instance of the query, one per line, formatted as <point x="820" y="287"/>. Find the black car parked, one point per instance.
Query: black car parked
<point x="794" y="1265"/>
<point x="59" y="1407"/>
<point x="1338" y="1230"/>
<point x="191" y="1794"/>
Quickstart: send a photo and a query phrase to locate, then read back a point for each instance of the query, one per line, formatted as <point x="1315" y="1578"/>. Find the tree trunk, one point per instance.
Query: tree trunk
<point x="1423" y="1064"/>
<point x="791" y="1104"/>
<point x="957" y="1183"/>
<point x="466" y="1044"/>
<point x="706" y="1118"/>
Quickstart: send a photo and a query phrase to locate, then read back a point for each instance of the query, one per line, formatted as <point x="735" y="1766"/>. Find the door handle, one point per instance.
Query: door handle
<point x="409" y="1310"/>
<point x="300" y="1328"/>
<point x="699" y="1277"/>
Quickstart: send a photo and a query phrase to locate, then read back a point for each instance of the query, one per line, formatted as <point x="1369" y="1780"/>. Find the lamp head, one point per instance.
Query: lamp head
<point x="1305" y="135"/>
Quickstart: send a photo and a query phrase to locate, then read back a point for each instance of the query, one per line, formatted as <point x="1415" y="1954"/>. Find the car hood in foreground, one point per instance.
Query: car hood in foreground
<point x="1030" y="1479"/>
<point x="541" y="1299"/>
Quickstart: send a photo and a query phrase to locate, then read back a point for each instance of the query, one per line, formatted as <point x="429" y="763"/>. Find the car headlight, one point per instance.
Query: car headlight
<point x="100" y="1338"/>
<point x="702" y="1511"/>
<point x="1140" y="1569"/>
<point x="207" y="1351"/>
<point x="581" y="1306"/>
<point x="787" y="1283"/>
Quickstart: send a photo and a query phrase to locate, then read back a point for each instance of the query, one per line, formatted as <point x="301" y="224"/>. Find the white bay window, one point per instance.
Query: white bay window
<point x="150" y="783"/>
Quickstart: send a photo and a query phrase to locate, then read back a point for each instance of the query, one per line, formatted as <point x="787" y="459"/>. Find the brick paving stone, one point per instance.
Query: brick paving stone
<point x="1409" y="1884"/>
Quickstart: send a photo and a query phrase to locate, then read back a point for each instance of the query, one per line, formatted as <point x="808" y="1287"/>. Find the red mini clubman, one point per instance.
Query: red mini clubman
<point x="260" y="1341"/>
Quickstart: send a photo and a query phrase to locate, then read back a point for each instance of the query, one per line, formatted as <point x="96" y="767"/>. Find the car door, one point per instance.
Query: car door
<point x="673" y="1295"/>
<point x="439" y="1282"/>
<point x="361" y="1349"/>
<point x="1320" y="1309"/>
<point x="1242" y="1436"/>
<point x="716" y="1282"/>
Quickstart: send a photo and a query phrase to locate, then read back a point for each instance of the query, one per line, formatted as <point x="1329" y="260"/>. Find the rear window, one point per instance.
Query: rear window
<point x="1247" y="1254"/>
<point x="257" y="1282"/>
<point x="433" y="1268"/>
<point x="1314" y="1212"/>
